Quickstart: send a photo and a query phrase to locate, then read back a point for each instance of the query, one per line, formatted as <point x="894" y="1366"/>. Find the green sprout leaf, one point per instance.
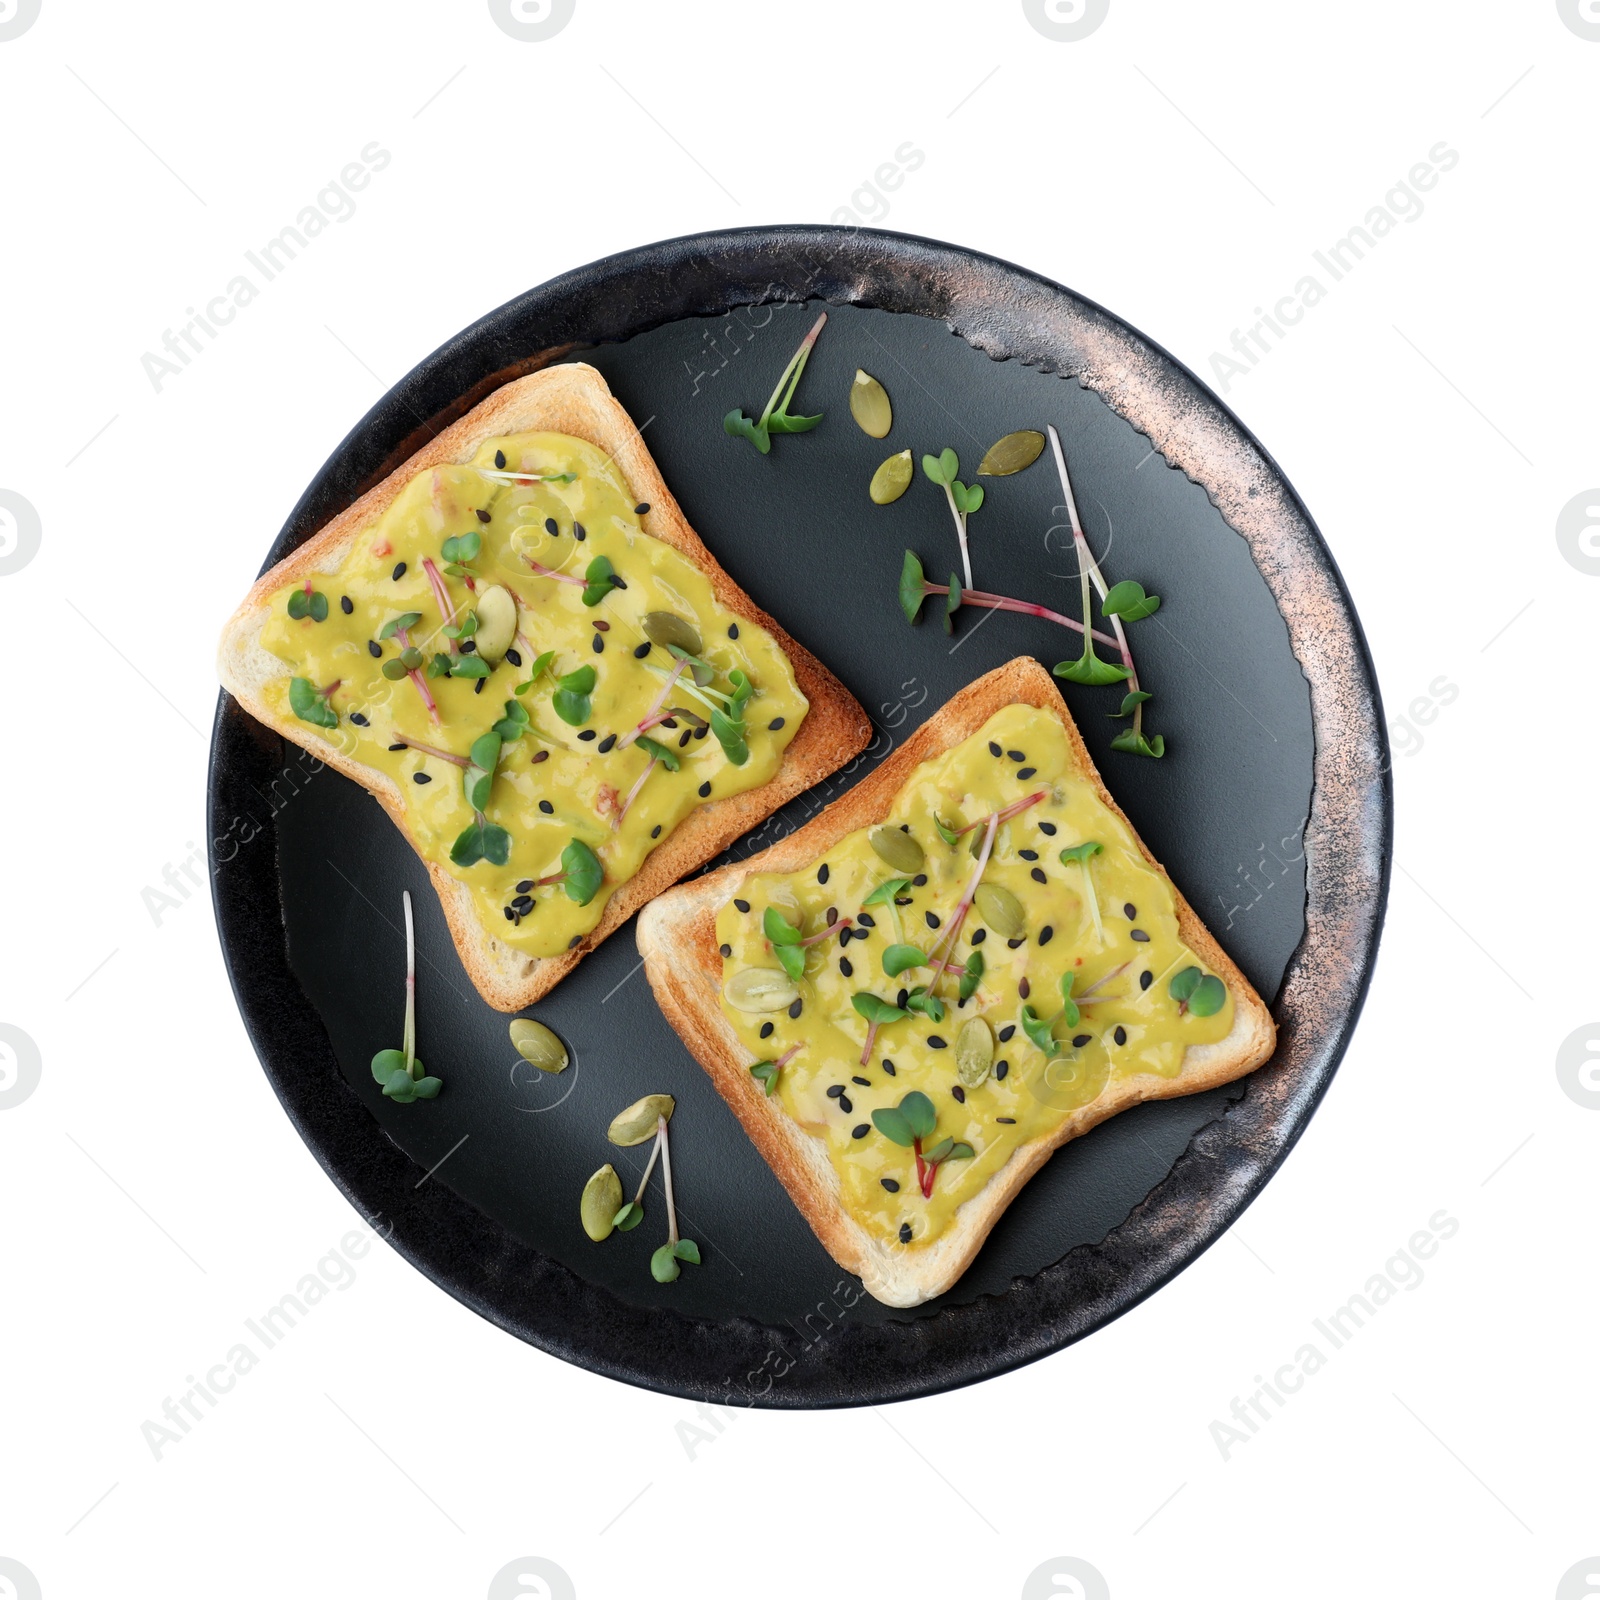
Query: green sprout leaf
<point x="514" y="723"/>
<point x="599" y="580"/>
<point x="386" y="1063"/>
<point x="299" y="605"/>
<point x="687" y="1250"/>
<point x="584" y="874"/>
<point x="886" y="893"/>
<point x="967" y="498"/>
<point x="940" y="1150"/>
<point x="1069" y="1007"/>
<point x="911" y="581"/>
<point x="630" y="1216"/>
<point x="309" y="704"/>
<point x="781" y="422"/>
<point x="961" y="1151"/>
<point x="1208" y="996"/>
<point x="1037" y="1028"/>
<point x="540" y="666"/>
<point x="900" y="958"/>
<point x="928" y="1004"/>
<point x="1132" y="699"/>
<point x="664" y="1265"/>
<point x="571" y="698"/>
<point x="1138" y="744"/>
<point x="1089" y="668"/>
<point x="766" y="1074"/>
<point x="792" y="959"/>
<point x="481" y="841"/>
<point x="427" y="1088"/>
<point x="464" y="547"/>
<point x="918" y="1110"/>
<point x="660" y="752"/>
<point x="1184" y="984"/>
<point x="1129" y="601"/>
<point x="1081" y="852"/>
<point x="876" y="1010"/>
<point x="950" y="835"/>
<point x="952" y="603"/>
<point x="741" y="427"/>
<point x="893" y="1125"/>
<point x="972" y="976"/>
<point x="438" y="666"/>
<point x="776" y="926"/>
<point x="730" y="734"/>
<point x="407" y="619"/>
<point x="469" y="667"/>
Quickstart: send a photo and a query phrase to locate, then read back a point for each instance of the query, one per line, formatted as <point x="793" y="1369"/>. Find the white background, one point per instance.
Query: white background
<point x="1179" y="165"/>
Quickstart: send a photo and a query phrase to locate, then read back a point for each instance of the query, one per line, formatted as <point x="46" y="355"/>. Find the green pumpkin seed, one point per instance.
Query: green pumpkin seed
<point x="1001" y="910"/>
<point x="869" y="405"/>
<point x="497" y="622"/>
<point x="667" y="628"/>
<point x="638" y="1122"/>
<point x="891" y="480"/>
<point x="760" y="989"/>
<point x="537" y="1045"/>
<point x="900" y="850"/>
<point x="602" y="1199"/>
<point x="1011" y="454"/>
<point x="974" y="1052"/>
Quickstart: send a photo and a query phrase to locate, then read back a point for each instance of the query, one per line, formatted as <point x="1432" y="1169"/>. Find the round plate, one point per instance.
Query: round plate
<point x="1271" y="809"/>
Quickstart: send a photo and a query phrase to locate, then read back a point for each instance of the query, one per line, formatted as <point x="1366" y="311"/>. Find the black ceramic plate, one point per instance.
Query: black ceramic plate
<point x="1271" y="810"/>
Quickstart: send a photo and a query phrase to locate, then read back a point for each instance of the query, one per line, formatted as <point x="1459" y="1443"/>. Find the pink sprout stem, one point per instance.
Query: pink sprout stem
<point x="441" y="596"/>
<point x="654" y="706"/>
<point x="947" y="942"/>
<point x="866" y="1049"/>
<point x="616" y="821"/>
<point x="550" y="572"/>
<point x="403" y="635"/>
<point x="1008" y="813"/>
<point x="1000" y="602"/>
<point x="431" y="750"/>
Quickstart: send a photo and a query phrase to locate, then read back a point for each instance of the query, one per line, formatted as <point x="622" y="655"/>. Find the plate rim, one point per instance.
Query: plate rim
<point x="1010" y="313"/>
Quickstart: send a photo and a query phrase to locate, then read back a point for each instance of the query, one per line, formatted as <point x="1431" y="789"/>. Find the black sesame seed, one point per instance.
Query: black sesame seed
<point x="861" y="1130"/>
<point x="537" y="757"/>
<point x="865" y="919"/>
<point x="1146" y="978"/>
<point x="1079" y="1040"/>
<point x="1015" y="944"/>
<point x="399" y="571"/>
<point x="574" y="941"/>
<point x="514" y="657"/>
<point x="702" y="730"/>
<point x="733" y="630"/>
<point x="920" y="880"/>
<point x="835" y="1090"/>
<point x="891" y="1184"/>
<point x="1001" y="1068"/>
<point x="1029" y="855"/>
<point x="607" y="743"/>
<point x="1007" y="1120"/>
<point x="468" y="646"/>
<point x="741" y="905"/>
<point x="845" y="1104"/>
<point x="1027" y="772"/>
<point x="888" y="1066"/>
<point x="847" y="934"/>
<point x="579" y="532"/>
<point x="1049" y="828"/>
<point x="359" y="720"/>
<point x="1024" y="988"/>
<point x="1130" y="911"/>
<point x="500" y="458"/>
<point x="642" y="650"/>
<point x="400" y="746"/>
<point x="935" y="1042"/>
<point x="902" y="997"/>
<point x="931" y="918"/>
<point x="346" y="604"/>
<point x="477" y="688"/>
<point x="994" y="749"/>
<point x="670" y="722"/>
<point x="766" y="1030"/>
<point x="831" y="915"/>
<point x="655" y="832"/>
<point x="548" y="809"/>
<point x="642" y="507"/>
<point x="421" y="777"/>
<point x="552" y="527"/>
<point x="794" y="1010"/>
<point x="525" y="886"/>
<point x="822" y="873"/>
<point x="866" y="1083"/>
<point x="775" y="724"/>
<point x="602" y="626"/>
<point x="725" y="951"/>
<point x="1038" y="875"/>
<point x="483" y="516"/>
<point x="1139" y="936"/>
<point x="598" y="645"/>
<point x="511" y="915"/>
<point x="1016" y="755"/>
<point x="959" y="1093"/>
<point x="523" y="903"/>
<point x="704" y="789"/>
<point x="845" y="968"/>
<point x="587" y="734"/>
<point x="616" y="582"/>
<point x="1121" y="1035"/>
<point x="374" y="648"/>
<point x="905" y="1233"/>
<point x="1006" y="1032"/>
<point x="1046" y="934"/>
<point x="979" y="935"/>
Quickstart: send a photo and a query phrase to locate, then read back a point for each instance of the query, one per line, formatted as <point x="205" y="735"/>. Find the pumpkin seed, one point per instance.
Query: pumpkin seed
<point x="974" y="1052"/>
<point x="1001" y="910"/>
<point x="760" y="989"/>
<point x="869" y="405"/>
<point x="496" y="607"/>
<point x="1011" y="454"/>
<point x="900" y="850"/>
<point x="667" y="628"/>
<point x="638" y="1122"/>
<point x="891" y="480"/>
<point x="537" y="1045"/>
<point x="602" y="1200"/>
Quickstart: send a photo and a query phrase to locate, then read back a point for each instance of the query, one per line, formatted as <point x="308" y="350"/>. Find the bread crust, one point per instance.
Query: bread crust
<point x="677" y="937"/>
<point x="572" y="399"/>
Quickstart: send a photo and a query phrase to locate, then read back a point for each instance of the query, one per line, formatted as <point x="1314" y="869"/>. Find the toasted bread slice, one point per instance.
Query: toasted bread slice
<point x="678" y="939"/>
<point x="572" y="400"/>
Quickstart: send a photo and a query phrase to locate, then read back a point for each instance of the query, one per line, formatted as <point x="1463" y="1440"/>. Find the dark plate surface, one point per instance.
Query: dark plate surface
<point x="1275" y="761"/>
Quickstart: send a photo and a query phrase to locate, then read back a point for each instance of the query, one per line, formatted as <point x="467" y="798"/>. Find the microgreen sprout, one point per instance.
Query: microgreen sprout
<point x="522" y="479"/>
<point x="963" y="500"/>
<point x="457" y="552"/>
<point x="775" y="416"/>
<point x="481" y="840"/>
<point x="1198" y="992"/>
<point x="766" y="1072"/>
<point x="971" y="976"/>
<point x="399" y="1071"/>
<point x="878" y="1014"/>
<point x="915" y="588"/>
<point x="659" y="755"/>
<point x="1081" y="853"/>
<point x="570" y="700"/>
<point x="888" y="894"/>
<point x="1042" y="1029"/>
<point x="410" y="658"/>
<point x="308" y="602"/>
<point x="664" y="1262"/>
<point x="788" y="942"/>
<point x="581" y="873"/>
<point x="947" y="940"/>
<point x="907" y="1125"/>
<point x="310" y="704"/>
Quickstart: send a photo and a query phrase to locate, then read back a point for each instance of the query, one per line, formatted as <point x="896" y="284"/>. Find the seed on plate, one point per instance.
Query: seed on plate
<point x="607" y="744"/>
<point x="483" y="516"/>
<point x="995" y="749"/>
<point x="600" y="1203"/>
<point x="552" y="527"/>
<point x="346" y="604"/>
<point x="1139" y="936"/>
<point x="514" y="657"/>
<point x="548" y="809"/>
<point x="733" y="630"/>
<point x="1007" y="1120"/>
<point x="766" y="1030"/>
<point x="642" y="508"/>
<point x="861" y="1130"/>
<point x="588" y="734"/>
<point x="866" y="1083"/>
<point x="1146" y="978"/>
<point x="537" y="1045"/>
<point x="599" y="626"/>
<point x="1079" y="1040"/>
<point x="642" y="650"/>
<point x="640" y="1120"/>
<point x="374" y="648"/>
<point x="1024" y="988"/>
<point x="822" y="873"/>
<point x="1006" y="1032"/>
<point x="905" y="1233"/>
<point x="1001" y="1068"/>
<point x="579" y="532"/>
<point x="845" y="1105"/>
<point x="725" y="951"/>
<point x="959" y="1093"/>
<point x="888" y="1066"/>
<point x="979" y="935"/>
<point x="1016" y="755"/>
<point x="1029" y="855"/>
<point x="935" y="1042"/>
<point x="890" y="1184"/>
<point x="794" y="1010"/>
<point x="500" y="458"/>
<point x="400" y="746"/>
<point x="974" y="1052"/>
<point x="421" y="777"/>
<point x="704" y="789"/>
<point x="655" y="832"/>
<point x="538" y="756"/>
<point x="359" y="720"/>
<point x="1130" y="911"/>
<point x="1046" y="934"/>
<point x="1121" y="1035"/>
<point x="399" y="571"/>
<point x="598" y="645"/>
<point x="1015" y="944"/>
<point x="931" y="918"/>
<point x="775" y="724"/>
<point x="1027" y="772"/>
<point x="835" y="1090"/>
<point x="760" y="989"/>
<point x="1038" y="875"/>
<point x="865" y="919"/>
